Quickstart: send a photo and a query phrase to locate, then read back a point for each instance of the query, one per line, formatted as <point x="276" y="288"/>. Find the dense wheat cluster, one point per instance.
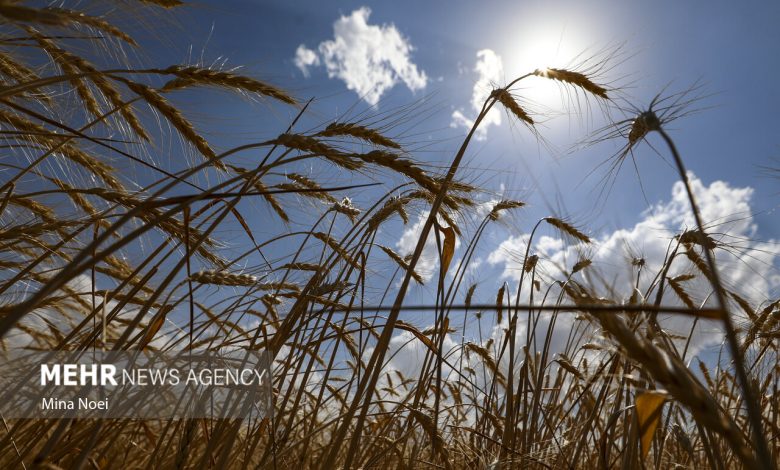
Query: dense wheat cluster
<point x="108" y="241"/>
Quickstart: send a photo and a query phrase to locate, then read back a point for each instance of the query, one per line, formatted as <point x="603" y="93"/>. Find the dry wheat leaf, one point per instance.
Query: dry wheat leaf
<point x="154" y="327"/>
<point x="448" y="248"/>
<point x="648" y="413"/>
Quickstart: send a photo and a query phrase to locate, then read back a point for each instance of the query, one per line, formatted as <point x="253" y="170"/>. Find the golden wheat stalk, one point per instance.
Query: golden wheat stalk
<point x="567" y="229"/>
<point x="503" y="96"/>
<point x="573" y="78"/>
<point x="223" y="278"/>
<point x="357" y="131"/>
<point x="187" y="76"/>
<point x="402" y="263"/>
<point x="174" y="116"/>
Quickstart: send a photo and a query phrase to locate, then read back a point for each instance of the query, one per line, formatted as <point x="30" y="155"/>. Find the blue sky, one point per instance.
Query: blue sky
<point x="729" y="48"/>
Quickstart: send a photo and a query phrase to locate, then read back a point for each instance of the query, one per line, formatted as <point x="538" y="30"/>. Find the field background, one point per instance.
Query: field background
<point x="518" y="246"/>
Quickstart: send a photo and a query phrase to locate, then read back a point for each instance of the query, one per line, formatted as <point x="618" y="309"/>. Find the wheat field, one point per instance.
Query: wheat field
<point x="107" y="242"/>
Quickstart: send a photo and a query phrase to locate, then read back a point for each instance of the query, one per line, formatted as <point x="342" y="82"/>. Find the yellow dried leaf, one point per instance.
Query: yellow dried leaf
<point x="154" y="327"/>
<point x="648" y="413"/>
<point x="448" y="248"/>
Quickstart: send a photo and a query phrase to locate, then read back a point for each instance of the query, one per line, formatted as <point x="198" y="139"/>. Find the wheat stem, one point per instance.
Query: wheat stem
<point x="754" y="413"/>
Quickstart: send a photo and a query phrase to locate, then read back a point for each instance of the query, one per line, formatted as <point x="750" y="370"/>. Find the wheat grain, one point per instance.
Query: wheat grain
<point x="193" y="75"/>
<point x="357" y="131"/>
<point x="567" y="229"/>
<point x="503" y="96"/>
<point x="403" y="264"/>
<point x="503" y="205"/>
<point x="573" y="78"/>
<point x="224" y="278"/>
<point x="178" y="121"/>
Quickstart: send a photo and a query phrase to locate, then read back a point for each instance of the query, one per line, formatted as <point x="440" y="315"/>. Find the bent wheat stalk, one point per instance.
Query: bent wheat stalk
<point x="368" y="383"/>
<point x="651" y="121"/>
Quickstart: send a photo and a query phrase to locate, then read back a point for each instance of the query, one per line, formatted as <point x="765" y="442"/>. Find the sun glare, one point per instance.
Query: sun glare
<point x="544" y="45"/>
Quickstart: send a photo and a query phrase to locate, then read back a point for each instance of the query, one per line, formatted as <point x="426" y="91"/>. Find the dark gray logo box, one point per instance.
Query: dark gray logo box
<point x="135" y="384"/>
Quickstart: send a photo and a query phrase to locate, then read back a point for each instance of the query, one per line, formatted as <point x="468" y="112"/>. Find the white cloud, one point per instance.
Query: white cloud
<point x="749" y="268"/>
<point x="408" y="352"/>
<point x="490" y="71"/>
<point x="305" y="58"/>
<point x="752" y="272"/>
<point x="65" y="315"/>
<point x="369" y="59"/>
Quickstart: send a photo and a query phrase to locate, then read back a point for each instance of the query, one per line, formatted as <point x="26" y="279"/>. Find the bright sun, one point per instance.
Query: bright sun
<point x="544" y="45"/>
